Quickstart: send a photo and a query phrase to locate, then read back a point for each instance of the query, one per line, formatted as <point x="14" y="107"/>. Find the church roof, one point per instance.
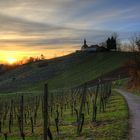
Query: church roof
<point x="85" y="46"/>
<point x="94" y="46"/>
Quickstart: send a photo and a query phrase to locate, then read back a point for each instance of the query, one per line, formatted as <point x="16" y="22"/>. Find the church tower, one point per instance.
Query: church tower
<point x="85" y="45"/>
<point x="85" y="42"/>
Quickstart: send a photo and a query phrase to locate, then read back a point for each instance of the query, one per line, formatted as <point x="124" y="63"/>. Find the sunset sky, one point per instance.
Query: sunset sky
<point x="57" y="27"/>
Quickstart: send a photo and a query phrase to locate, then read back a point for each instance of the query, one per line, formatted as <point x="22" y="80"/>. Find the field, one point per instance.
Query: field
<point x="74" y="112"/>
<point x="67" y="71"/>
<point x="109" y="120"/>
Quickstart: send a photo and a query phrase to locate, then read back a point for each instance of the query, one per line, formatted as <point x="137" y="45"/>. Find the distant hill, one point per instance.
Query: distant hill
<point x="66" y="71"/>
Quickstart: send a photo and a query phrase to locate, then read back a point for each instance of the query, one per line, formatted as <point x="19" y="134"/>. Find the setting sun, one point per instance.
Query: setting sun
<point x="11" y="60"/>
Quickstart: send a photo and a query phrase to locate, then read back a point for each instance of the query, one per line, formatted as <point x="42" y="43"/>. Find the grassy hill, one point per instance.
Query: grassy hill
<point x="66" y="71"/>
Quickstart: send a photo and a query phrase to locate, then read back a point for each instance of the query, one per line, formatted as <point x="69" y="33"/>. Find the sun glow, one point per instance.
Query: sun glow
<point x="11" y="60"/>
<point x="20" y="54"/>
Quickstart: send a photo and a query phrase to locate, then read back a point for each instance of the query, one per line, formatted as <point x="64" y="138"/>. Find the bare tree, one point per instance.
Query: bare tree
<point x="134" y="64"/>
<point x="138" y="43"/>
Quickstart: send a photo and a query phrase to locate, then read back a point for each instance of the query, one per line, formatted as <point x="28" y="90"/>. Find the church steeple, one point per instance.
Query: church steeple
<point x="85" y="45"/>
<point x="85" y="42"/>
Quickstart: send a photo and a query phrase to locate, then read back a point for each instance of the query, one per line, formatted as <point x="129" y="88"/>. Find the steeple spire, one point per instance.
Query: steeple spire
<point x="85" y="42"/>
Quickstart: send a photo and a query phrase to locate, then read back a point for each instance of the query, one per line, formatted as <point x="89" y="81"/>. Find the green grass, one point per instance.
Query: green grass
<point x="70" y="71"/>
<point x="67" y="71"/>
<point x="123" y="83"/>
<point x="111" y="124"/>
<point x="133" y="91"/>
<point x="90" y="68"/>
<point x="80" y="68"/>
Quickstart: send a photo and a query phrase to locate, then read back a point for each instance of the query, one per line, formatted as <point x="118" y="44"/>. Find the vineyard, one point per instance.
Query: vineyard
<point x="56" y="114"/>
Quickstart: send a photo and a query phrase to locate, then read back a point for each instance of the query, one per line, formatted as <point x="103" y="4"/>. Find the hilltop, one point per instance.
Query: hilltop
<point x="66" y="71"/>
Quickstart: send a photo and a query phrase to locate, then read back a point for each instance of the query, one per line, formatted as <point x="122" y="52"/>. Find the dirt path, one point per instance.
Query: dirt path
<point x="134" y="107"/>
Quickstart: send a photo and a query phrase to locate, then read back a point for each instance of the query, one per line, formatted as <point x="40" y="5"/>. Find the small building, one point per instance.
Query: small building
<point x="102" y="49"/>
<point x="86" y="48"/>
<point x="93" y="48"/>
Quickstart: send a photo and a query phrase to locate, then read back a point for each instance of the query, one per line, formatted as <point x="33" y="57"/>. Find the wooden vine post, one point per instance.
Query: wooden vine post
<point x="95" y="105"/>
<point x="81" y="114"/>
<point x="45" y="111"/>
<point x="21" y="118"/>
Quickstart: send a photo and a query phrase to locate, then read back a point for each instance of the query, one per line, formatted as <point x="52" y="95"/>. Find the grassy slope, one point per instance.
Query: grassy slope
<point x="90" y="68"/>
<point x="76" y="69"/>
<point x="86" y="67"/>
<point x="66" y="71"/>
